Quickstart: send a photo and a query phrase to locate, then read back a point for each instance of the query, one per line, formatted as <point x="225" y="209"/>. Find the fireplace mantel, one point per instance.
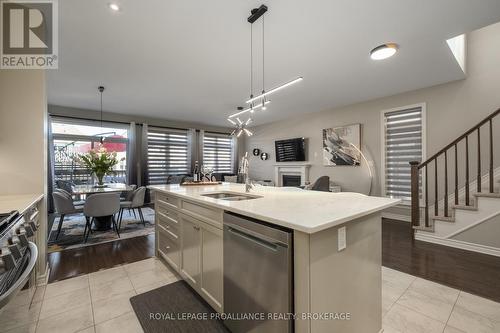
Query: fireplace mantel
<point x="291" y="168"/>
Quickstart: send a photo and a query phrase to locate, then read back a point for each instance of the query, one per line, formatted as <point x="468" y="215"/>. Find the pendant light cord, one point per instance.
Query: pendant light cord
<point x="263" y="58"/>
<point x="251" y="60"/>
<point x="101" y="111"/>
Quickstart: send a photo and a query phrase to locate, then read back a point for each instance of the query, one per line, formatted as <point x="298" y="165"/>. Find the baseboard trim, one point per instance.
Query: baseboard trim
<point x="493" y="251"/>
<point x="398" y="217"/>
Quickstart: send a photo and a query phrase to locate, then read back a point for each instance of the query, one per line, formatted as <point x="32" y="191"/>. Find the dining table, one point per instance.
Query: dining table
<point x="107" y="188"/>
<point x="102" y="223"/>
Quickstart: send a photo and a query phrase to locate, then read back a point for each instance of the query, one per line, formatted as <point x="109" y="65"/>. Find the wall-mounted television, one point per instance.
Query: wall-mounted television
<point x="290" y="150"/>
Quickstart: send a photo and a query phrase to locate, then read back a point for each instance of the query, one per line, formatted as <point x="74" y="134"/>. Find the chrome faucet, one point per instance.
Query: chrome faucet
<point x="248" y="184"/>
<point x="244" y="166"/>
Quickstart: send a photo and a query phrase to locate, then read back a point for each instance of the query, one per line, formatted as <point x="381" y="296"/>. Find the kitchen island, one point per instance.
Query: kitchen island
<point x="336" y="247"/>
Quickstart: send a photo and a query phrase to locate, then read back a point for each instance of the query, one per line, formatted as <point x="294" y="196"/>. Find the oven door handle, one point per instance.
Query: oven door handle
<point x="25" y="276"/>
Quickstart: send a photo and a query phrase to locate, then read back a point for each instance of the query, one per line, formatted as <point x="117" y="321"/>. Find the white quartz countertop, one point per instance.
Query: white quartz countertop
<point x="294" y="208"/>
<point x="19" y="202"/>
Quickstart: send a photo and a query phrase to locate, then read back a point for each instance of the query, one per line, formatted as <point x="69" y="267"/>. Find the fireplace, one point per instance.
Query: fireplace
<point x="298" y="173"/>
<point x="291" y="180"/>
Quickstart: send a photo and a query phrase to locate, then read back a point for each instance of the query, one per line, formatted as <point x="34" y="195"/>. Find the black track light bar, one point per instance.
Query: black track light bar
<point x="256" y="13"/>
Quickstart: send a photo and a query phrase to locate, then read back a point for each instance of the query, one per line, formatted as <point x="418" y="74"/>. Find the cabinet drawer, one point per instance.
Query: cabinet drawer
<point x="169" y="221"/>
<point x="169" y="229"/>
<point x="167" y="201"/>
<point x="203" y="213"/>
<point x="169" y="248"/>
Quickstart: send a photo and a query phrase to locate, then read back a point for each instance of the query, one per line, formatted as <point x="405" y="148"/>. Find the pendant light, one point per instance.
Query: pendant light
<point x="259" y="101"/>
<point x="263" y="102"/>
<point x="241" y="127"/>
<point x="101" y="90"/>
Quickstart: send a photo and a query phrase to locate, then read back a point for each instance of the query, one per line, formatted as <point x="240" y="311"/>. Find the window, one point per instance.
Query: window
<point x="168" y="154"/>
<point x="74" y="136"/>
<point x="218" y="152"/>
<point x="403" y="141"/>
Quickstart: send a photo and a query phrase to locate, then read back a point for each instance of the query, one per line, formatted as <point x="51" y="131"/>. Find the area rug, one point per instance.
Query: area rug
<point x="71" y="235"/>
<point x="166" y="309"/>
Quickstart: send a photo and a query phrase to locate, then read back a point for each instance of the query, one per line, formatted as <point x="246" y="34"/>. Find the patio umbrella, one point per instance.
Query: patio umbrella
<point x="110" y="146"/>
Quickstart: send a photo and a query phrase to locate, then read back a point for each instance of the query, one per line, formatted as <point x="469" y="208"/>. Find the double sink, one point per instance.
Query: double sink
<point x="231" y="196"/>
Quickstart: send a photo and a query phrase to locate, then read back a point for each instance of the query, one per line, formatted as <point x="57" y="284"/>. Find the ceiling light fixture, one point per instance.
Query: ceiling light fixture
<point x="114" y="7"/>
<point x="289" y="83"/>
<point x="241" y="127"/>
<point x="261" y="100"/>
<point x="101" y="90"/>
<point x="250" y="109"/>
<point x="384" y="51"/>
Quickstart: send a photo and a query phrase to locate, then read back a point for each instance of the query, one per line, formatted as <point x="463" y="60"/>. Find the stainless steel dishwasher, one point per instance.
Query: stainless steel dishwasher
<point x="258" y="275"/>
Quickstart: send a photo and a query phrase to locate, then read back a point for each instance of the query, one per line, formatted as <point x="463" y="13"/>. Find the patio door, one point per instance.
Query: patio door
<point x="71" y="137"/>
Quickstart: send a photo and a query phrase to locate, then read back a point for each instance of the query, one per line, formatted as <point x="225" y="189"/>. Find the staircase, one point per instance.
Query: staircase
<point x="457" y="188"/>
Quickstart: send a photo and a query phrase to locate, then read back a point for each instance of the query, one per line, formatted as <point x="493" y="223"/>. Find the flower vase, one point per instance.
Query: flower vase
<point x="100" y="181"/>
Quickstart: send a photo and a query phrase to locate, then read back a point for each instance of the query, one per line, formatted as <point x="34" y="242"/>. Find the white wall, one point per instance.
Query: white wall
<point x="57" y="110"/>
<point x="452" y="108"/>
<point x="485" y="233"/>
<point x="23" y="143"/>
<point x="23" y="110"/>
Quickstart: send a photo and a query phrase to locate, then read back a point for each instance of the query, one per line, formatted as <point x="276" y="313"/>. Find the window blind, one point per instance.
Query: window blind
<point x="168" y="154"/>
<point x="218" y="152"/>
<point x="403" y="143"/>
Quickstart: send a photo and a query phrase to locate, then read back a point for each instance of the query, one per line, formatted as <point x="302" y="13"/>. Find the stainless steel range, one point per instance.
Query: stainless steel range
<point x="18" y="256"/>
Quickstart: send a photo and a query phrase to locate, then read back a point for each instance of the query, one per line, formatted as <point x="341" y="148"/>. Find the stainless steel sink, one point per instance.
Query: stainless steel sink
<point x="231" y="196"/>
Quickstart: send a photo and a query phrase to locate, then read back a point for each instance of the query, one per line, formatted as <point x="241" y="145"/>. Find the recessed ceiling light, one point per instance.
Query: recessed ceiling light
<point x="384" y="51"/>
<point x="114" y="7"/>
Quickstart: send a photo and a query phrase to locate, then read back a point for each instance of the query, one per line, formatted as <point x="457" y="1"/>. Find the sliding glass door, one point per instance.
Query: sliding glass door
<point x="71" y="137"/>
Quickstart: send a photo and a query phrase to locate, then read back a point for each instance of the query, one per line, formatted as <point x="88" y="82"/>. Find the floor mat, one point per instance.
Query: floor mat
<point x="71" y="235"/>
<point x="164" y="310"/>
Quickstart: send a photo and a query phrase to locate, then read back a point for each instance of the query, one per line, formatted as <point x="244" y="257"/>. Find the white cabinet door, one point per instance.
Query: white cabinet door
<point x="211" y="265"/>
<point x="191" y="242"/>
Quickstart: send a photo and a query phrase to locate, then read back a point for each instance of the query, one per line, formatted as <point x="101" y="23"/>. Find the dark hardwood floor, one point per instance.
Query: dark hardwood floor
<point x="74" y="262"/>
<point x="471" y="272"/>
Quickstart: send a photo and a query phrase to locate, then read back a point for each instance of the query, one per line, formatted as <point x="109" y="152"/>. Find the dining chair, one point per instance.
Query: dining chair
<point x="101" y="205"/>
<point x="128" y="195"/>
<point x="65" y="185"/>
<point x="64" y="205"/>
<point x="68" y="194"/>
<point x="136" y="202"/>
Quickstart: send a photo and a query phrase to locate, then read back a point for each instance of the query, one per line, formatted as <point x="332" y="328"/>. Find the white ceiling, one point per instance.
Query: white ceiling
<point x="189" y="60"/>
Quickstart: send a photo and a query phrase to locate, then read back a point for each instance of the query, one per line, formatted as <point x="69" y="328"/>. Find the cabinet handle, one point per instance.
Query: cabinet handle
<point x="196" y="227"/>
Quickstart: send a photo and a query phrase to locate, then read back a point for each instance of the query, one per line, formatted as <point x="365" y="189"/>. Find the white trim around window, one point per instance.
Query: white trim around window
<point x="383" y="114"/>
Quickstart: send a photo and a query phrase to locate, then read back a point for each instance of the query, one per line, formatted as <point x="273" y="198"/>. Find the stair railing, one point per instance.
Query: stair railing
<point x="421" y="168"/>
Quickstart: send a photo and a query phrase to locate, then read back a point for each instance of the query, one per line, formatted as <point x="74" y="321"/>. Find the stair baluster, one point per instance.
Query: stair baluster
<point x="467" y="193"/>
<point x="478" y="160"/>
<point x="491" y="156"/>
<point x="436" y="202"/>
<point x="446" y="183"/>
<point x="456" y="174"/>
<point x="427" y="225"/>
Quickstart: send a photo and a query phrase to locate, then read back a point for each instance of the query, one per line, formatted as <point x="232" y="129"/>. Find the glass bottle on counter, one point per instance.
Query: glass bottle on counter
<point x="196" y="172"/>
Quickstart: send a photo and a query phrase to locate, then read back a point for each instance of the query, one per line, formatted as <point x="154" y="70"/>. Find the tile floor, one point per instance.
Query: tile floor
<point x="99" y="303"/>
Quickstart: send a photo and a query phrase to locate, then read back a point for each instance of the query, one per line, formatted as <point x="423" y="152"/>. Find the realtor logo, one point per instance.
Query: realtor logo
<point x="29" y="34"/>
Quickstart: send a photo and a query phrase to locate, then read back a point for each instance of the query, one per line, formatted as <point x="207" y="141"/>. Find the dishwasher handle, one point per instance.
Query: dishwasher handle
<point x="254" y="237"/>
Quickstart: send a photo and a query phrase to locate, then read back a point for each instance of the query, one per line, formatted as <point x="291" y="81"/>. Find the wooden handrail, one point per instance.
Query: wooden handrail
<point x="460" y="138"/>
<point x="416" y="174"/>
